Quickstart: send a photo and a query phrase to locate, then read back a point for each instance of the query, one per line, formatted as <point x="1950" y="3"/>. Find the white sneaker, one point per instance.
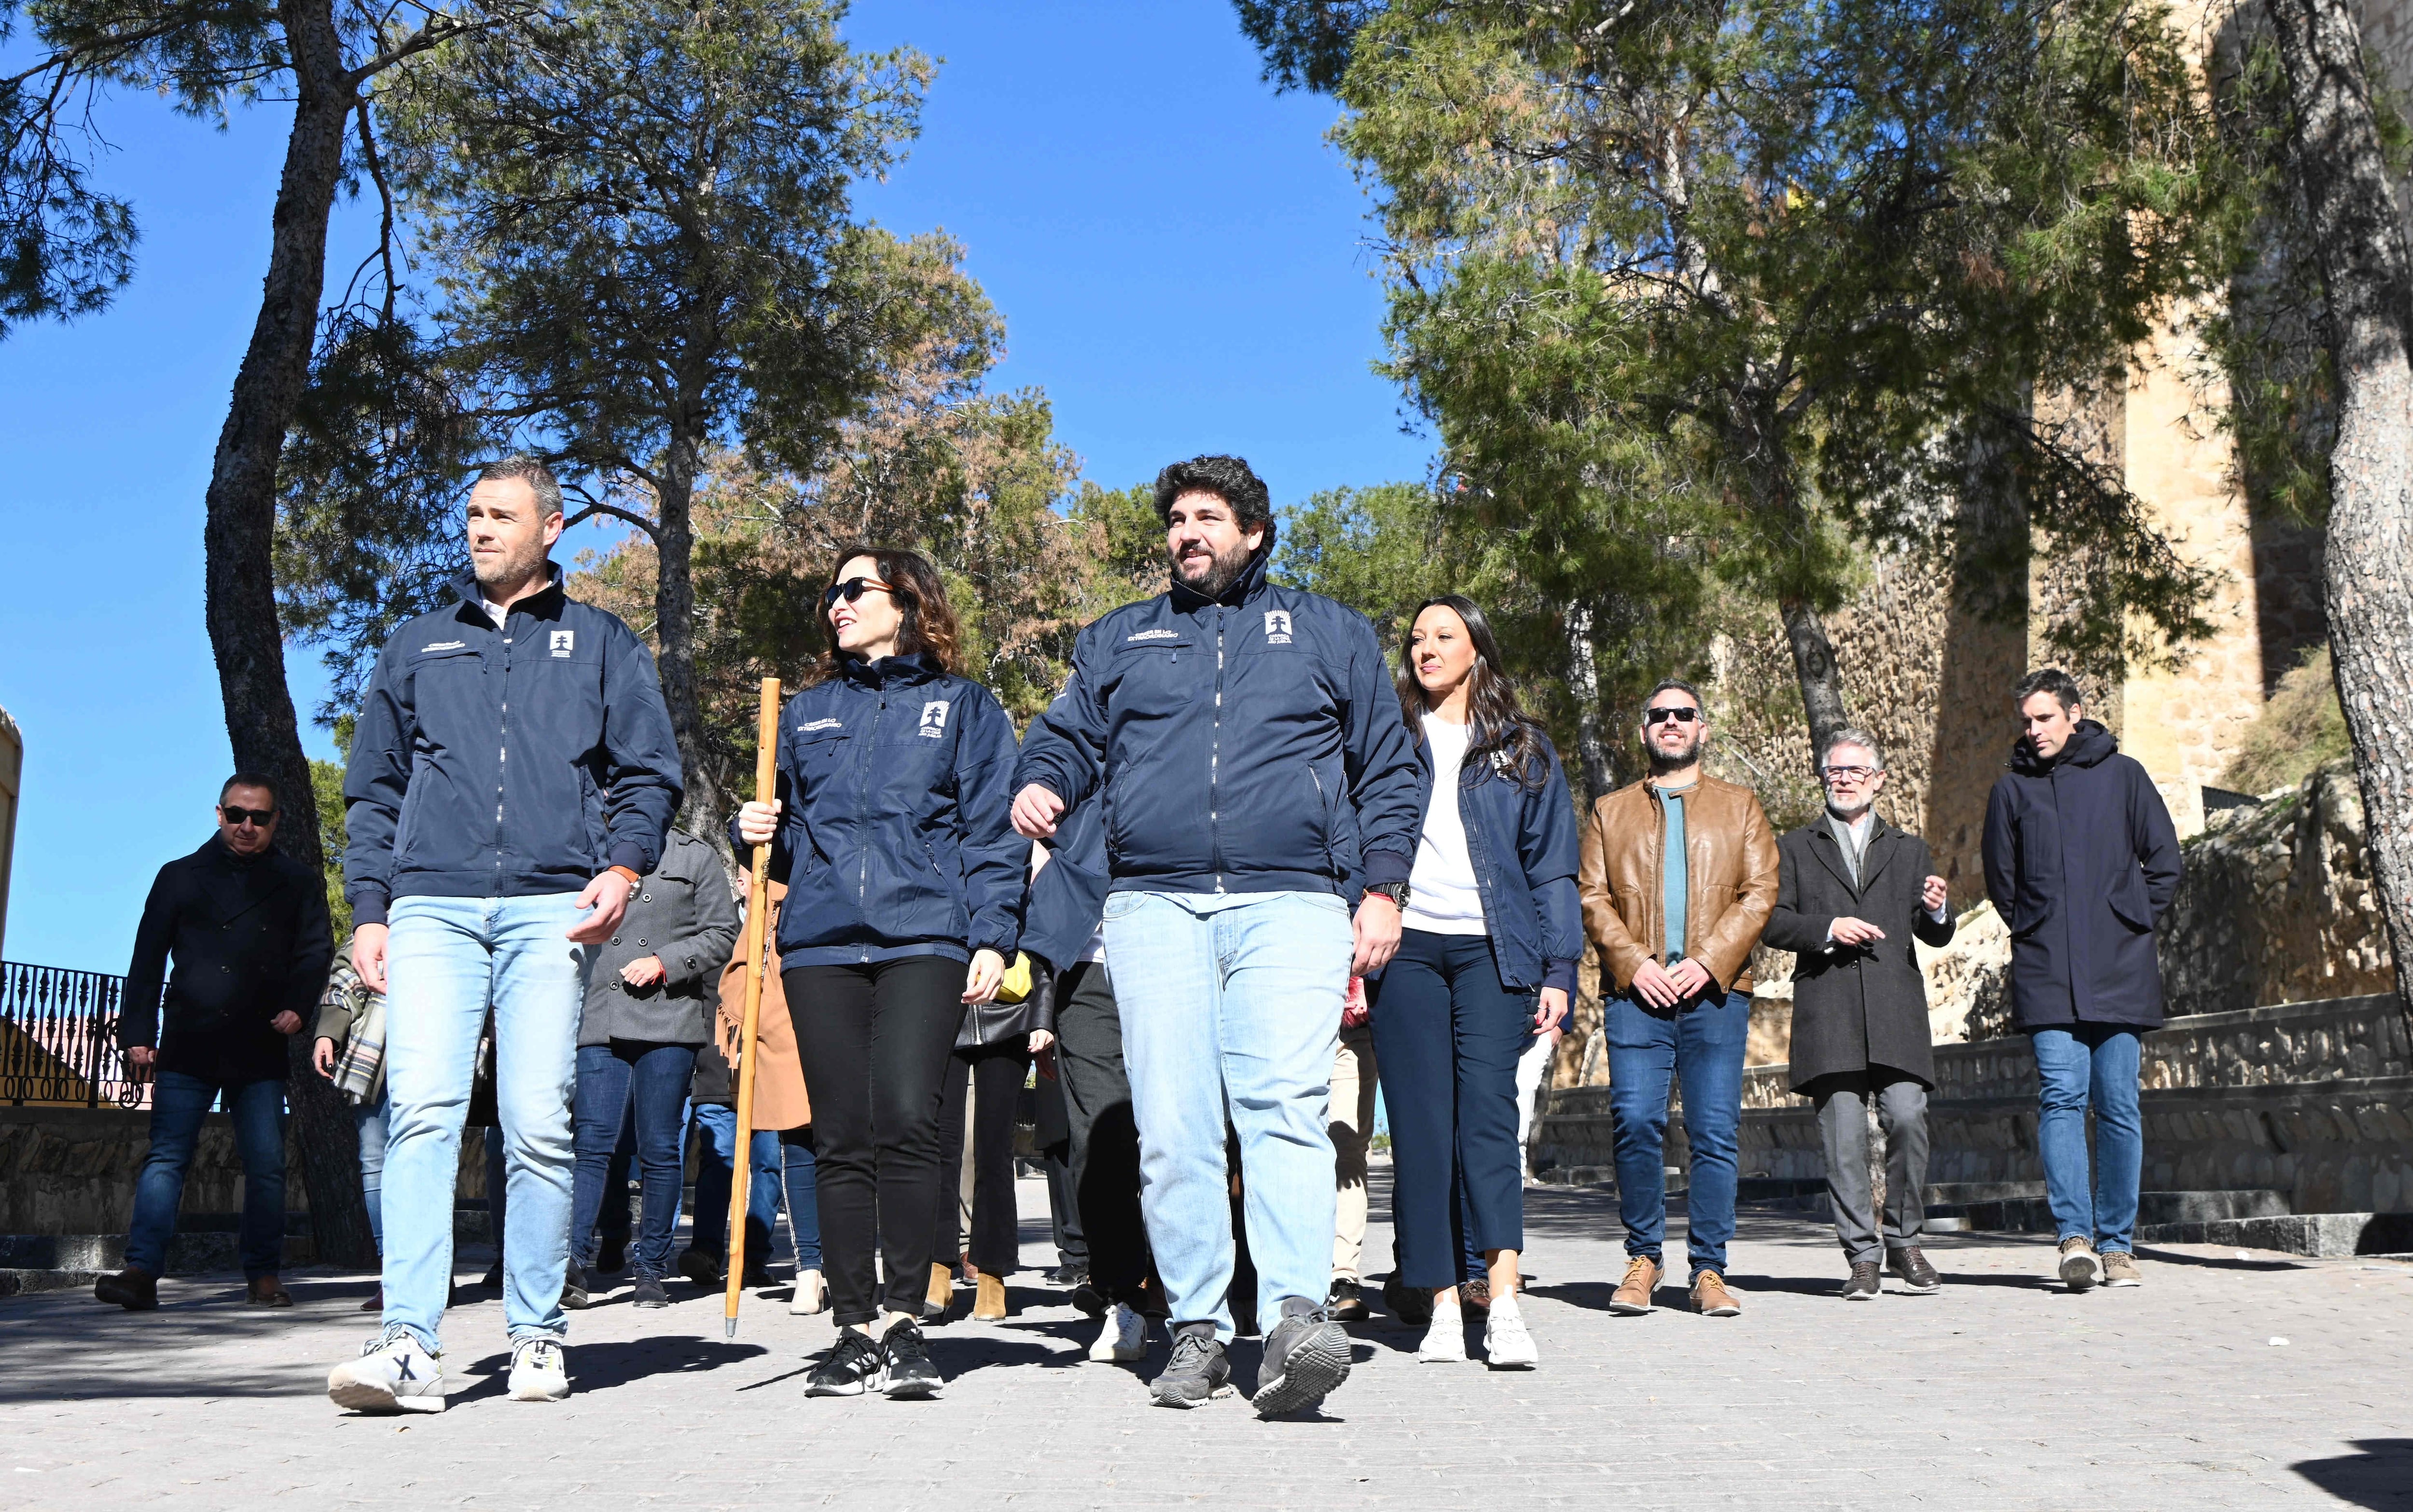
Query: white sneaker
<point x="1123" y="1338"/>
<point x="811" y="1294"/>
<point x="1506" y="1341"/>
<point x="1445" y="1340"/>
<point x="540" y="1371"/>
<point x="391" y="1376"/>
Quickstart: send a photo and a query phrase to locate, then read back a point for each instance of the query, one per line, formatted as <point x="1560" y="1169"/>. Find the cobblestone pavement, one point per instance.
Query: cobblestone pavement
<point x="2001" y="1392"/>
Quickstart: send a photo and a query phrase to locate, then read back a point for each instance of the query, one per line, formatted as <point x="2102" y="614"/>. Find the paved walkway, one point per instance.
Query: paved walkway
<point x="2002" y="1392"/>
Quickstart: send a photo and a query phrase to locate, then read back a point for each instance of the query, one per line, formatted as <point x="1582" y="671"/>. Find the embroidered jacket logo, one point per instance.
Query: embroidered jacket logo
<point x="821" y="724"/>
<point x="442" y="645"/>
<point x="1153" y="635"/>
<point x="1277" y="627"/>
<point x="562" y="640"/>
<point x="934" y="718"/>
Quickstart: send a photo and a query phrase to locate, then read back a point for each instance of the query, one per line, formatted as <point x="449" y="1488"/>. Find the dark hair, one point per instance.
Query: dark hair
<point x="251" y="779"/>
<point x="929" y="625"/>
<point x="519" y="466"/>
<point x="2052" y="679"/>
<point x="1665" y="683"/>
<point x="1230" y="479"/>
<point x="1497" y="726"/>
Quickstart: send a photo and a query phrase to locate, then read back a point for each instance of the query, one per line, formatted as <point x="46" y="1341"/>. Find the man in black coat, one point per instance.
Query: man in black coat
<point x="2081" y="858"/>
<point x="248" y="929"/>
<point x="1852" y="893"/>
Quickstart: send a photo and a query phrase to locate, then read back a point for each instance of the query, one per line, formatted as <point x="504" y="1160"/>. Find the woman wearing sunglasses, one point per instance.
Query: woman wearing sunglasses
<point x="1492" y="931"/>
<point x="904" y="903"/>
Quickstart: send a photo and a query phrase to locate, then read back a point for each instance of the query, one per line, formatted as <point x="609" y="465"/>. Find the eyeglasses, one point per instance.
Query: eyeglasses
<point x="853" y="590"/>
<point x="241" y="816"/>
<point x="1848" y="774"/>
<point x="1681" y="714"/>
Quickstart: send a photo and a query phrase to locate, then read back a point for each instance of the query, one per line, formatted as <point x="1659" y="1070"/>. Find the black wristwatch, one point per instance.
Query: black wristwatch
<point x="1396" y="891"/>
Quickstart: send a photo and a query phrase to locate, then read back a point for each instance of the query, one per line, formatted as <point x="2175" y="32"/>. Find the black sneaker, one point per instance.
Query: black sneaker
<point x="909" y="1373"/>
<point x="848" y="1370"/>
<point x="1918" y="1277"/>
<point x="1307" y="1357"/>
<point x="1070" y="1274"/>
<point x="650" y="1293"/>
<point x="700" y="1268"/>
<point x="573" y="1287"/>
<point x="493" y="1279"/>
<point x="1411" y="1305"/>
<point x="1862" y="1285"/>
<point x="1198" y="1373"/>
<point x="137" y="1291"/>
<point x="1347" y="1304"/>
<point x="612" y="1259"/>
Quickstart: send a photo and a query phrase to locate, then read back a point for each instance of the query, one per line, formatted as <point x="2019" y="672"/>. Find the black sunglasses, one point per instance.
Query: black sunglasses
<point x="853" y="590"/>
<point x="240" y="816"/>
<point x="1681" y="714"/>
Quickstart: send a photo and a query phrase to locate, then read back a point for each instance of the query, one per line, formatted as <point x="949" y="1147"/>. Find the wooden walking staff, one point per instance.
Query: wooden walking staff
<point x="758" y="911"/>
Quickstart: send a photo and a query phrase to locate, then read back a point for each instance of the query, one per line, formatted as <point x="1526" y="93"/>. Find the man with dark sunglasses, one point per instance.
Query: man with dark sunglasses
<point x="1678" y="877"/>
<point x="247" y="929"/>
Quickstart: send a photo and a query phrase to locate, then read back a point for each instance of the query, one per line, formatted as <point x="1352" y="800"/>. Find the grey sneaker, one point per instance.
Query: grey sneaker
<point x="1307" y="1357"/>
<point x="2119" y="1269"/>
<point x="392" y="1375"/>
<point x="2080" y="1267"/>
<point x="1863" y="1285"/>
<point x="650" y="1291"/>
<point x="1198" y="1373"/>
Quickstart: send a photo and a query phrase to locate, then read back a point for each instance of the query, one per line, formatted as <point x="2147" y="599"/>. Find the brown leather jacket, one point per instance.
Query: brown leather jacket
<point x="1729" y="879"/>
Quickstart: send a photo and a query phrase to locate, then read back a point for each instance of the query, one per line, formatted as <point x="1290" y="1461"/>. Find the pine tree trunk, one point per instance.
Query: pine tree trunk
<point x="2360" y="243"/>
<point x="1583" y="682"/>
<point x="705" y="807"/>
<point x="1813" y="667"/>
<point x="240" y="523"/>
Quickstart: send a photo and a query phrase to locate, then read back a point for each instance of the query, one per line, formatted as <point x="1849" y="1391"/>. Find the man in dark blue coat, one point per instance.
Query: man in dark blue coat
<point x="512" y="776"/>
<point x="1246" y="749"/>
<point x="2080" y="860"/>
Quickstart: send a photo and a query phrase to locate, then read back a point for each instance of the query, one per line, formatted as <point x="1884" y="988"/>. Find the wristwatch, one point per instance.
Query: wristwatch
<point x="1396" y="891"/>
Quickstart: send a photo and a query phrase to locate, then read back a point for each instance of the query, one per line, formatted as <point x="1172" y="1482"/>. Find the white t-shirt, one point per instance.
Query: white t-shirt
<point x="1442" y="898"/>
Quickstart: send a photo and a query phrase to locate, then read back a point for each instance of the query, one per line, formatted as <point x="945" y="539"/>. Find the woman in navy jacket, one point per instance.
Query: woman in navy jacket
<point x="1487" y="960"/>
<point x="904" y="903"/>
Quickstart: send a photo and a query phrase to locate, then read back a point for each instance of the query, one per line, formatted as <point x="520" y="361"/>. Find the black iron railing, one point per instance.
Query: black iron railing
<point x="58" y="1038"/>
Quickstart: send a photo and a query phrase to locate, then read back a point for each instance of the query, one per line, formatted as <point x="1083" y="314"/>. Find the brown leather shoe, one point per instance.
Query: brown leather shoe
<point x="267" y="1291"/>
<point x="1476" y="1296"/>
<point x="1633" y="1294"/>
<point x="1711" y="1297"/>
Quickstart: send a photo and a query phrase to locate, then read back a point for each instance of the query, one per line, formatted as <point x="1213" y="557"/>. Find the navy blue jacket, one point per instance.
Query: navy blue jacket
<point x="895" y="830"/>
<point x="1525" y="847"/>
<point x="1068" y="897"/>
<point x="1244" y="744"/>
<point x="2080" y="860"/>
<point x="506" y="762"/>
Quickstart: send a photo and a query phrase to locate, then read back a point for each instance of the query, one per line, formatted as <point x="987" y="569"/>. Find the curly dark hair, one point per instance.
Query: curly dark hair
<point x="1498" y="728"/>
<point x="1230" y="479"/>
<point x="921" y="595"/>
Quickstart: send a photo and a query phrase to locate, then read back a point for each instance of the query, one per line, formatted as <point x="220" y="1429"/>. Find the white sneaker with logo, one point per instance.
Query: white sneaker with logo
<point x="540" y="1371"/>
<point x="1506" y="1339"/>
<point x="1445" y="1340"/>
<point x="391" y="1376"/>
<point x="1123" y="1338"/>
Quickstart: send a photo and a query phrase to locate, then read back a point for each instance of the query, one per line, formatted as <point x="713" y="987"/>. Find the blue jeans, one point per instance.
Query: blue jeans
<point x="1699" y="1045"/>
<point x="178" y="1104"/>
<point x="1231" y="1002"/>
<point x="775" y="1153"/>
<point x="369" y="1124"/>
<point x="2096" y="1063"/>
<point x="646" y="1084"/>
<point x="447" y="960"/>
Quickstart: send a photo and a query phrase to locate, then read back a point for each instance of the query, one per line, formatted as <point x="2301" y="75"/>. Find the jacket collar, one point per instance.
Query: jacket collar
<point x="890" y="671"/>
<point x="1873" y="854"/>
<point x="544" y="603"/>
<point x="1248" y="586"/>
<point x="2090" y="745"/>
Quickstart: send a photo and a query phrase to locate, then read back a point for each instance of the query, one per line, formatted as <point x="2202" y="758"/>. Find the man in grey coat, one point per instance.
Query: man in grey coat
<point x="1852" y="894"/>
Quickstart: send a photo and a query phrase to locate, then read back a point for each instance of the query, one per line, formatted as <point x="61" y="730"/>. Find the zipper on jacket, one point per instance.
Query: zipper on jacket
<point x="503" y="756"/>
<point x="1214" y="763"/>
<point x="863" y="818"/>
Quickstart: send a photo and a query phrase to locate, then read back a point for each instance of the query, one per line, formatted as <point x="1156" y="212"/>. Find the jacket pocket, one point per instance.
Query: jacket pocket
<point x="2130" y="905"/>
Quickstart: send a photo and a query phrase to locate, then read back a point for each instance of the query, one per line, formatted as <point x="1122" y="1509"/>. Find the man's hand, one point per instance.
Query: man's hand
<point x="983" y="978"/>
<point x="139" y="1057"/>
<point x="1035" y="813"/>
<point x="608" y="895"/>
<point x="1376" y="928"/>
<point x="1552" y="1012"/>
<point x="1932" y="893"/>
<point x="1855" y="932"/>
<point x="368" y="956"/>
<point x="646" y="971"/>
<point x="287" y="1022"/>
<point x="1657" y="988"/>
<point x="322" y="1057"/>
<point x="1691" y="979"/>
<point x="757" y="821"/>
<point x="1041" y="1041"/>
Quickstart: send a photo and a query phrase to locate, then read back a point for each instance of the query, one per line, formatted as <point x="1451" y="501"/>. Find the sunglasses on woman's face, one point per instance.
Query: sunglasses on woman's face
<point x="1681" y="714"/>
<point x="853" y="590"/>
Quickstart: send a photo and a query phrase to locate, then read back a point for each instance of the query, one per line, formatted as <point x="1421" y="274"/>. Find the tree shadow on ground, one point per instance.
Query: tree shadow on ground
<point x="2381" y="1474"/>
<point x="607" y="1364"/>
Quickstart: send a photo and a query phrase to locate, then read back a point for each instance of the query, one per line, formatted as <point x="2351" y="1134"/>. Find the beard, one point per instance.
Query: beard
<point x="1852" y="814"/>
<point x="1663" y="761"/>
<point x="521" y="567"/>
<point x="1226" y="570"/>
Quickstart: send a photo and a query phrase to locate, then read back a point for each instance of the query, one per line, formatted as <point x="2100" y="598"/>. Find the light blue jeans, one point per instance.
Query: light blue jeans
<point x="447" y="959"/>
<point x="2096" y="1064"/>
<point x="1231" y="1006"/>
<point x="368" y="1123"/>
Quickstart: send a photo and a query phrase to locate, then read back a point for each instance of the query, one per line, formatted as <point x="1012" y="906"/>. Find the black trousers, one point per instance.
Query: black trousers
<point x="996" y="1073"/>
<point x="874" y="1041"/>
<point x="1105" y="1137"/>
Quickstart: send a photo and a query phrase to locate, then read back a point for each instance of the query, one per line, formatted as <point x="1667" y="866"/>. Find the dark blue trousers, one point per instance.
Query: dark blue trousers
<point x="1699" y="1044"/>
<point x="178" y="1104"/>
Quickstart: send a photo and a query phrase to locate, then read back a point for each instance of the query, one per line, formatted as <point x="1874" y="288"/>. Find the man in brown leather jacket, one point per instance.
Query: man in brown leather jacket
<point x="1678" y="877"/>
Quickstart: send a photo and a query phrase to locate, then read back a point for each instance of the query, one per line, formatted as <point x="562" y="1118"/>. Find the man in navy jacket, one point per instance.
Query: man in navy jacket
<point x="2080" y="860"/>
<point x="511" y="778"/>
<point x="1246" y="750"/>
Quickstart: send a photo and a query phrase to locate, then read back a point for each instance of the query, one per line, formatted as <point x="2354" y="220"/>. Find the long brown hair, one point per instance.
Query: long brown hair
<point x="1498" y="727"/>
<point x="929" y="625"/>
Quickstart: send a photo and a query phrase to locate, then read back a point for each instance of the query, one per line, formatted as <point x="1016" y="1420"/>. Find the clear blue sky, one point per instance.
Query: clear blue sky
<point x="1177" y="253"/>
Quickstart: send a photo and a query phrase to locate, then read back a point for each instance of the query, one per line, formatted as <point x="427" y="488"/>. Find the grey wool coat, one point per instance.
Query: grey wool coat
<point x="1856" y="1007"/>
<point x="683" y="912"/>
